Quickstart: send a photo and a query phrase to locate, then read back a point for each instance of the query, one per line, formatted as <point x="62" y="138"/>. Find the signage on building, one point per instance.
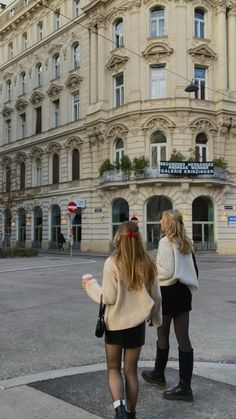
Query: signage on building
<point x="186" y="168"/>
<point x="98" y="209"/>
<point x="232" y="220"/>
<point x="81" y="203"/>
<point x="228" y="207"/>
<point x="72" y="207"/>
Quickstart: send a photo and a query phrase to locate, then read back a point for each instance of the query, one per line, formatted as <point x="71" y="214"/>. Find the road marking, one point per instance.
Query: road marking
<point x="46" y="267"/>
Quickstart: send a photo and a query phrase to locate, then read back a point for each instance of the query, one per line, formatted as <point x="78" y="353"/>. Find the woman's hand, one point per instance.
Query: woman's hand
<point x="85" y="279"/>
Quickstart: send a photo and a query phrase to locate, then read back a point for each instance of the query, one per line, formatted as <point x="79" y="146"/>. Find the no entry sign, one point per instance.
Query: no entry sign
<point x="72" y="207"/>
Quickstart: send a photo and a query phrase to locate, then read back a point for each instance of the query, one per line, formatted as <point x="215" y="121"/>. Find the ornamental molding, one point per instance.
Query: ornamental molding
<point x="159" y="123"/>
<point x="73" y="142"/>
<point x="20" y="157"/>
<point x="161" y="2"/>
<point x="73" y="81"/>
<point x="119" y="11"/>
<point x="55" y="48"/>
<point x="54" y="90"/>
<point x="116" y="62"/>
<point x="53" y="148"/>
<point x="117" y="131"/>
<point x="21" y="104"/>
<point x="36" y="153"/>
<point x="37" y="98"/>
<point x="202" y="52"/>
<point x="156" y="51"/>
<point x="204" y="4"/>
<point x="203" y="125"/>
<point x="7" y="76"/>
<point x="7" y="111"/>
<point x="7" y="160"/>
<point x="96" y="135"/>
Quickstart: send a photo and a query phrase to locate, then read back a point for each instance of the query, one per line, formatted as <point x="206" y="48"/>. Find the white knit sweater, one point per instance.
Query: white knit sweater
<point x="173" y="266"/>
<point x="124" y="308"/>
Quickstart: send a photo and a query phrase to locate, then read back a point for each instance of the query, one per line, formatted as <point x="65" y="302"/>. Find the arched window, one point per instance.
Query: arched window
<point x="77" y="229"/>
<point x="75" y="164"/>
<point x="119" y="150"/>
<point x="38" y="172"/>
<point x="38" y="228"/>
<point x="55" y="225"/>
<point x="118" y="33"/>
<point x="55" y="168"/>
<point x="199" y="23"/>
<point x="158" y="148"/>
<point x="75" y="55"/>
<point x="155" y="206"/>
<point x="21" y="227"/>
<point x="157" y="21"/>
<point x="7" y="227"/>
<point x="76" y="8"/>
<point x="8" y="90"/>
<point x="39" y="77"/>
<point x="22" y="175"/>
<point x="23" y="82"/>
<point x="203" y="223"/>
<point x="56" y="65"/>
<point x="120" y="213"/>
<point x="201" y="147"/>
<point x="8" y="178"/>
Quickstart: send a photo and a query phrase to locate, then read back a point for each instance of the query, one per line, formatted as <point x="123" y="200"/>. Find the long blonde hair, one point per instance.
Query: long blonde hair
<point x="134" y="264"/>
<point x="175" y="231"/>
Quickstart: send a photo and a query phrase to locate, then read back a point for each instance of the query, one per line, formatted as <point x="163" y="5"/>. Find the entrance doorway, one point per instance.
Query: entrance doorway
<point x="203" y="223"/>
<point x="155" y="206"/>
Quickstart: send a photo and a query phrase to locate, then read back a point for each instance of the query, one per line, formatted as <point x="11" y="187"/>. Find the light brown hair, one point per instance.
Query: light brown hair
<point x="133" y="262"/>
<point x="175" y="231"/>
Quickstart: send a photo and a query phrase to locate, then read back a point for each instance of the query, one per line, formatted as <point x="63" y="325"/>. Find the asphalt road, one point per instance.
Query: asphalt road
<point x="47" y="321"/>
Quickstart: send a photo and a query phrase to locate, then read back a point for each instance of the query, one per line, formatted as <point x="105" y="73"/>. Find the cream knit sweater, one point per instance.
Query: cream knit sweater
<point x="173" y="266"/>
<point x="124" y="308"/>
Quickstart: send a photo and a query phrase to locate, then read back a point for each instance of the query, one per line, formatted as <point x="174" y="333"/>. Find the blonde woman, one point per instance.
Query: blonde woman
<point x="131" y="293"/>
<point x="177" y="273"/>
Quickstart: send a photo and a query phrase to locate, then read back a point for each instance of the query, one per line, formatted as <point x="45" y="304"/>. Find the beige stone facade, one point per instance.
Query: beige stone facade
<point x="85" y="81"/>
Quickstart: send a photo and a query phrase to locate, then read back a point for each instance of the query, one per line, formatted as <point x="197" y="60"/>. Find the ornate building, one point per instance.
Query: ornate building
<point x="94" y="108"/>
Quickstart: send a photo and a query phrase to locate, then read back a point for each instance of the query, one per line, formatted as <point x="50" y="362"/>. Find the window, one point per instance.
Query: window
<point x="12" y="12"/>
<point x="157" y="82"/>
<point x="157" y="22"/>
<point x="201" y="147"/>
<point x="22" y="175"/>
<point x="23" y="82"/>
<point x="76" y="8"/>
<point x="118" y="33"/>
<point x="24" y="41"/>
<point x="40" y="31"/>
<point x="119" y="90"/>
<point x="158" y="148"/>
<point x="23" y="125"/>
<point x="39" y="75"/>
<point x="119" y="150"/>
<point x="199" y="23"/>
<point x="38" y="172"/>
<point x="57" y="20"/>
<point x="200" y="81"/>
<point x="8" y="178"/>
<point x="55" y="169"/>
<point x="76" y="55"/>
<point x="56" y="63"/>
<point x="155" y="207"/>
<point x="8" y="90"/>
<point x="38" y="128"/>
<point x="10" y="51"/>
<point x="120" y="213"/>
<point x="56" y="105"/>
<point x="75" y="164"/>
<point x="26" y="2"/>
<point x="8" y="130"/>
<point x="75" y="99"/>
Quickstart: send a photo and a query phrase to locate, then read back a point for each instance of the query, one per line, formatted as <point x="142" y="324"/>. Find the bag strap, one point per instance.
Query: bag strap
<point x="101" y="308"/>
<point x="195" y="264"/>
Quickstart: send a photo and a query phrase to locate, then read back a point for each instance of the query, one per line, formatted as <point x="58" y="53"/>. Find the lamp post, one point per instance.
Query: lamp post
<point x="192" y="87"/>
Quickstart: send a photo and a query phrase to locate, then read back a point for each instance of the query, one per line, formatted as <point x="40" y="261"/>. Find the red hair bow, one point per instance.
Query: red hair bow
<point x="130" y="234"/>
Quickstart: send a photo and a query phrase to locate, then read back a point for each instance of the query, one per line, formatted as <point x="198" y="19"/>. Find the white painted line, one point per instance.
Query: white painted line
<point x="31" y="268"/>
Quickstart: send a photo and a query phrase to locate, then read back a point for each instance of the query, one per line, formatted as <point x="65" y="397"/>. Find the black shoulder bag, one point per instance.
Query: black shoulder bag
<point x="100" y="326"/>
<point x="195" y="264"/>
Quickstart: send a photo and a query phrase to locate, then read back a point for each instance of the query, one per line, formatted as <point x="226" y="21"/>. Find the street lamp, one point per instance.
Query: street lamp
<point x="192" y="87"/>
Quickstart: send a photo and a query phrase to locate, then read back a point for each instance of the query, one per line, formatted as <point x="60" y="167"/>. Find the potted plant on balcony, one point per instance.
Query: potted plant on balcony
<point x="177" y="156"/>
<point x="139" y="166"/>
<point x="125" y="167"/>
<point x="106" y="166"/>
<point x="220" y="162"/>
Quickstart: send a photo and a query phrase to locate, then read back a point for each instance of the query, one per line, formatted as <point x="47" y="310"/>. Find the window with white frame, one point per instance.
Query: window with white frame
<point x="56" y="105"/>
<point x="200" y="81"/>
<point x="23" y="82"/>
<point x="119" y="150"/>
<point x="76" y="55"/>
<point x="8" y="130"/>
<point x="118" y="33"/>
<point x="157" y="21"/>
<point x="157" y="82"/>
<point x="10" y="50"/>
<point x="56" y="65"/>
<point x="26" y="2"/>
<point x="57" y="16"/>
<point x="76" y="8"/>
<point x="23" y="125"/>
<point x="40" y="31"/>
<point x="38" y="172"/>
<point x="158" y="148"/>
<point x="201" y="147"/>
<point x="199" y="23"/>
<point x="118" y="89"/>
<point x="24" y="41"/>
<point x="8" y="90"/>
<point x="75" y="106"/>
<point x="39" y="72"/>
<point x="12" y="12"/>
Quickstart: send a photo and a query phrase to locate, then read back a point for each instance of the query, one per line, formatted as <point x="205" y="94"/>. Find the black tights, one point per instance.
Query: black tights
<point x="181" y="327"/>
<point x="116" y="384"/>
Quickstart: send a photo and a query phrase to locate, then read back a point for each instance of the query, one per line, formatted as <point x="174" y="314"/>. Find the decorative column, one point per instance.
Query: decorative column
<point x="221" y="41"/>
<point x="93" y="65"/>
<point x="101" y="61"/>
<point x="232" y="49"/>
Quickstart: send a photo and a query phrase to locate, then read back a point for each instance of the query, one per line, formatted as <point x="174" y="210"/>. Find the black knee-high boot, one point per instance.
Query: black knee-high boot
<point x="183" y="390"/>
<point x="157" y="376"/>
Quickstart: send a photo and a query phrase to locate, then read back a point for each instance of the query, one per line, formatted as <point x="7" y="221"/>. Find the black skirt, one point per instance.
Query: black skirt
<point x="133" y="337"/>
<point x="176" y="299"/>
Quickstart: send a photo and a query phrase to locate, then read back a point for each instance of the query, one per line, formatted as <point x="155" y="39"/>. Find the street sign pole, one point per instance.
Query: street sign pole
<point x="72" y="209"/>
<point x="71" y="237"/>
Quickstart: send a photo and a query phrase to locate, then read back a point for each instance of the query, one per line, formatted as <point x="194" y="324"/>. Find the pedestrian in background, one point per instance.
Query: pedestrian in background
<point x="61" y="242"/>
<point x="178" y="278"/>
<point x="131" y="293"/>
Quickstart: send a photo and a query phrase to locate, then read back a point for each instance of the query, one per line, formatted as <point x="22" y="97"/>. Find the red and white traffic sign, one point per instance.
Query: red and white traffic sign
<point x="72" y="207"/>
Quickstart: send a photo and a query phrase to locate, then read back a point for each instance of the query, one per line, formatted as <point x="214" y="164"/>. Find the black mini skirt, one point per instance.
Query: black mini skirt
<point x="176" y="299"/>
<point x="133" y="337"/>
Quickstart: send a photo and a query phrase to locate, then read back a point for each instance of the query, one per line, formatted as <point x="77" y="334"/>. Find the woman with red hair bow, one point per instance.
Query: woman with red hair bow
<point x="131" y="292"/>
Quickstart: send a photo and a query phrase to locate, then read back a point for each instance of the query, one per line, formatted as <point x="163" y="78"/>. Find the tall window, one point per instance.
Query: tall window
<point x="40" y="31"/>
<point x="157" y="82"/>
<point x="38" y="172"/>
<point x="26" y="2"/>
<point x="12" y="12"/>
<point x="120" y="213"/>
<point x="76" y="8"/>
<point x="8" y="130"/>
<point x="56" y="65"/>
<point x="8" y="90"/>
<point x="119" y="150"/>
<point x="75" y="106"/>
<point x="200" y="81"/>
<point x="8" y="178"/>
<point x="22" y="175"/>
<point x="55" y="169"/>
<point x="76" y="55"/>
<point x="119" y="90"/>
<point x="39" y="77"/>
<point x="10" y="50"/>
<point x="158" y="148"/>
<point x="157" y="22"/>
<point x="201" y="147"/>
<point x="23" y="82"/>
<point x="23" y="125"/>
<point x="57" y="20"/>
<point x="38" y="127"/>
<point x="56" y="105"/>
<point x="118" y="33"/>
<point x="199" y="23"/>
<point x="24" y="41"/>
<point x="75" y="164"/>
